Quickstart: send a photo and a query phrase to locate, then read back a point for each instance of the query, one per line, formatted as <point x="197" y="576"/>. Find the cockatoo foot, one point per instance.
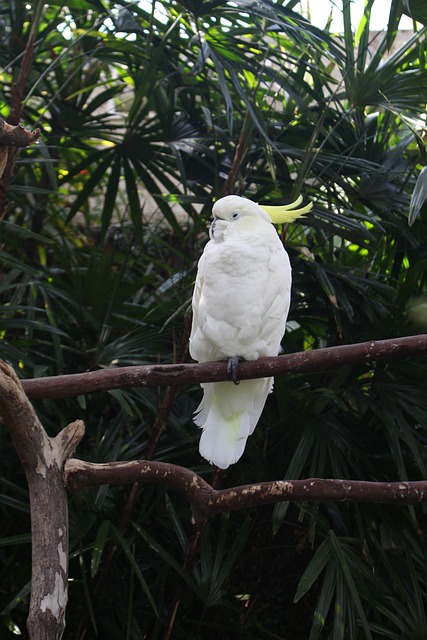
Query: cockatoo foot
<point x="233" y="369"/>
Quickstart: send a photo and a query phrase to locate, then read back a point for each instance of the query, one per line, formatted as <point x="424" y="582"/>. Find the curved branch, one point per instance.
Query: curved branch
<point x="206" y="501"/>
<point x="82" y="475"/>
<point x="184" y="374"/>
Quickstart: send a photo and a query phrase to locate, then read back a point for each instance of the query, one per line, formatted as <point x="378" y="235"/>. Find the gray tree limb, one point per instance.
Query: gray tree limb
<point x="43" y="459"/>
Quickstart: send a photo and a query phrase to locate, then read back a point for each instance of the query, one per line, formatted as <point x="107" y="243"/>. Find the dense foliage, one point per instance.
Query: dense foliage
<point x="149" y="111"/>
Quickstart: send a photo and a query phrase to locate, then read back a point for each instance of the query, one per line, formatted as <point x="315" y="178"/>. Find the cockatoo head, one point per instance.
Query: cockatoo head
<point x="231" y="209"/>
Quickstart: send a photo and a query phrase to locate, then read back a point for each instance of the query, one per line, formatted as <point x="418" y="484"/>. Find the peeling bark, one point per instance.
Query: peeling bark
<point x="206" y="501"/>
<point x="11" y="138"/>
<point x="16" y="135"/>
<point x="43" y="460"/>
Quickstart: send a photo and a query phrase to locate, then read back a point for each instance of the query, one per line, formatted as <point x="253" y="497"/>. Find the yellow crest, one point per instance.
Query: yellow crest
<point x="286" y="212"/>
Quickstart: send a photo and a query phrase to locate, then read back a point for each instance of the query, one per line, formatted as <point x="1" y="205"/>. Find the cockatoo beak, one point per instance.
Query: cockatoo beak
<point x="286" y="212"/>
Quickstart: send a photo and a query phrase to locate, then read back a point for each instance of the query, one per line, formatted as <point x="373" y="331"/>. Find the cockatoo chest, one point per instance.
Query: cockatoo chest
<point x="239" y="253"/>
<point x="244" y="296"/>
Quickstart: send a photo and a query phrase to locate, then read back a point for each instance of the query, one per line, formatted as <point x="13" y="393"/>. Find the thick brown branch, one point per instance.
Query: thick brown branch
<point x="207" y="501"/>
<point x="185" y="374"/>
<point x="83" y="475"/>
<point x="42" y="458"/>
<point x="318" y="490"/>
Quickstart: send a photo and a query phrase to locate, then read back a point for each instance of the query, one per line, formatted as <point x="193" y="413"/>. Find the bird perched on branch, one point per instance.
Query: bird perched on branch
<point x="240" y="304"/>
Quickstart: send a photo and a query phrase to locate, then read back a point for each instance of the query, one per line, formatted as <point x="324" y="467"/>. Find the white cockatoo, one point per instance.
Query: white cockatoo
<point x="240" y="304"/>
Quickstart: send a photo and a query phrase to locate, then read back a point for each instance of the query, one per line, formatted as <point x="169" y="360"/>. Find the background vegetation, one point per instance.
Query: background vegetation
<point x="148" y="112"/>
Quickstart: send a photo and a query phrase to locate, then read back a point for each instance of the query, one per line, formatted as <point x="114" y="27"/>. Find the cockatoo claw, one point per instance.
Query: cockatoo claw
<point x="233" y="369"/>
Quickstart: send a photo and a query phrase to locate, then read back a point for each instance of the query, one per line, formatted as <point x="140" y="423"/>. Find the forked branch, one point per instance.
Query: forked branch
<point x="43" y="460"/>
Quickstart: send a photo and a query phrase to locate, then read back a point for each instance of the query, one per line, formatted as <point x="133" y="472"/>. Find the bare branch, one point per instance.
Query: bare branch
<point x="42" y="458"/>
<point x="184" y="374"/>
<point x="206" y="501"/>
<point x="82" y="475"/>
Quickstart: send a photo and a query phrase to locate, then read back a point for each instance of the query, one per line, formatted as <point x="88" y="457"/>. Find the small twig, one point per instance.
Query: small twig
<point x="8" y="158"/>
<point x="239" y="156"/>
<point x="192" y="549"/>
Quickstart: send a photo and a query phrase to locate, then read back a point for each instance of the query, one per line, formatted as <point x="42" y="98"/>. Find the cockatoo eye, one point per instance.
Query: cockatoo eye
<point x="235" y="215"/>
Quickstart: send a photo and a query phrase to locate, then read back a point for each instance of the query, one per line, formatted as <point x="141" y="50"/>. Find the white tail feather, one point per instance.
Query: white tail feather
<point x="228" y="414"/>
